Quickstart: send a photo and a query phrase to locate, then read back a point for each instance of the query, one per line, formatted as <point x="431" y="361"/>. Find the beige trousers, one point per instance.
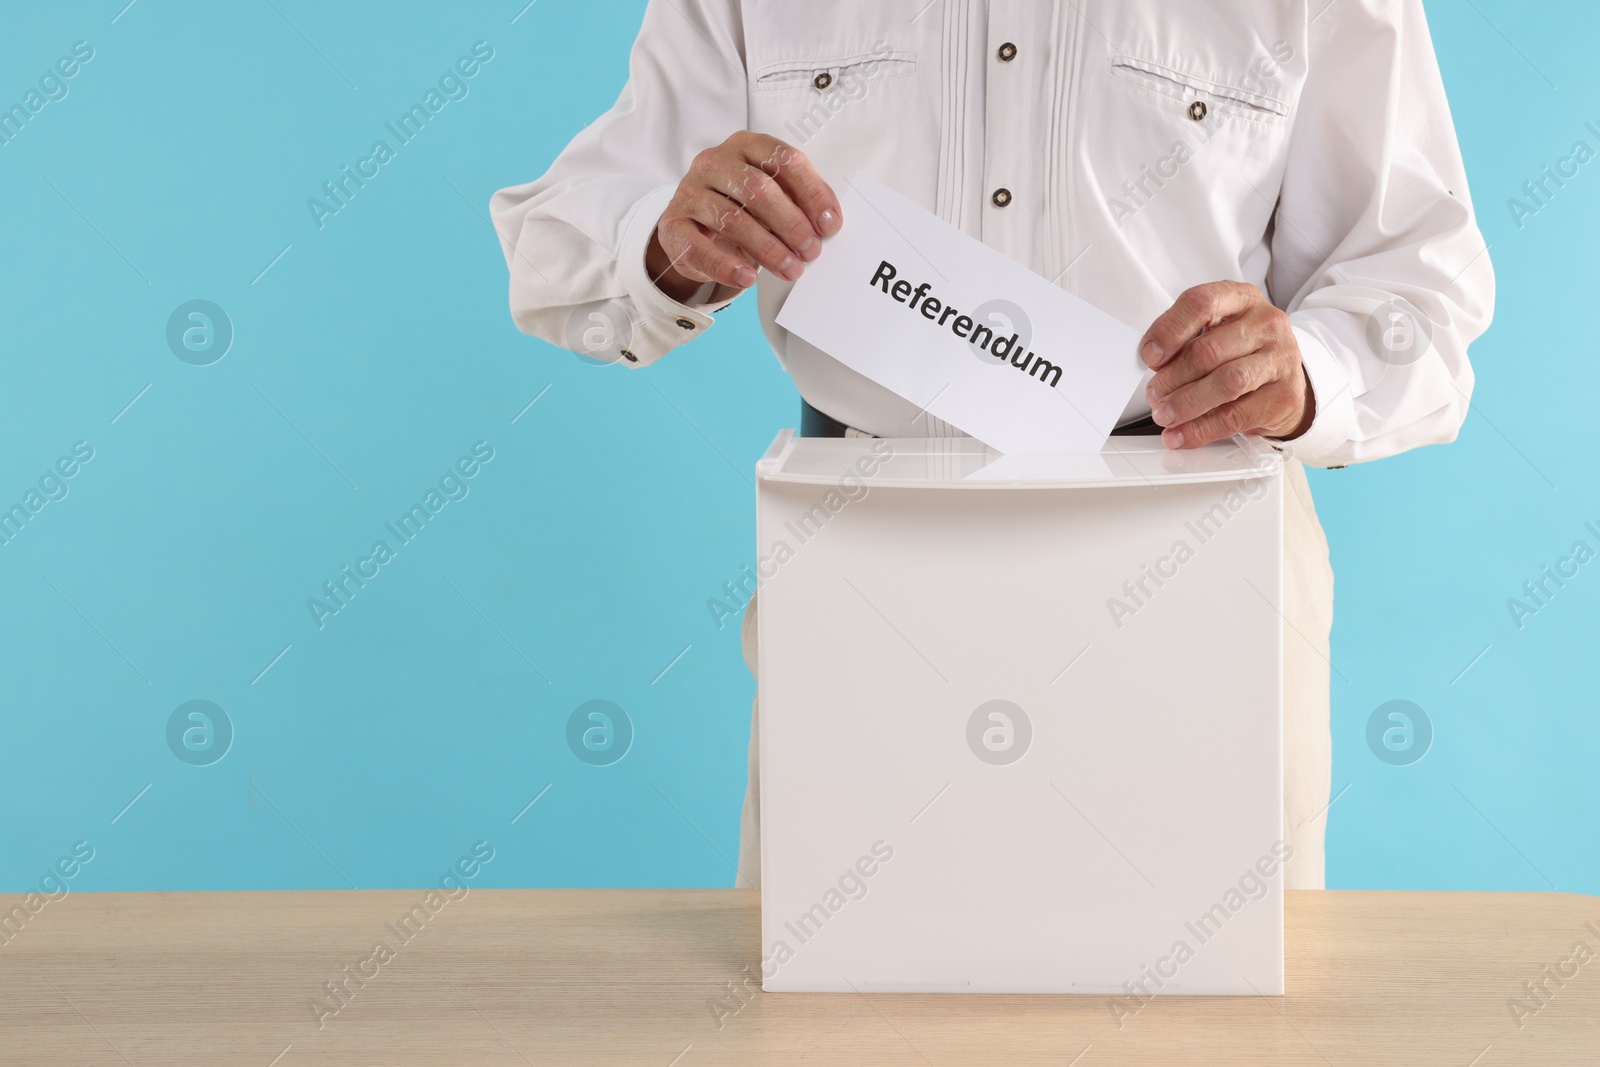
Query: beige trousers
<point x="1307" y="744"/>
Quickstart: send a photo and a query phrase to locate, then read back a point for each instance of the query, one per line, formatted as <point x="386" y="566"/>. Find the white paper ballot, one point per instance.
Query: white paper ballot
<point x="955" y="327"/>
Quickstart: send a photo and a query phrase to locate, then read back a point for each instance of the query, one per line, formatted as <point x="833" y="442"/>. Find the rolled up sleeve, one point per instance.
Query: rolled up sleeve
<point x="575" y="239"/>
<point x="1376" y="253"/>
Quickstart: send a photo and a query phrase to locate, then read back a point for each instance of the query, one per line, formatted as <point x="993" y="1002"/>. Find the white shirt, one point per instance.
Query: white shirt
<point x="1146" y="146"/>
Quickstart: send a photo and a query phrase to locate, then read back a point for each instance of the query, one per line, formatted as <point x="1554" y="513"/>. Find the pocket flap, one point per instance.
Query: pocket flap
<point x="1160" y="76"/>
<point x="797" y="73"/>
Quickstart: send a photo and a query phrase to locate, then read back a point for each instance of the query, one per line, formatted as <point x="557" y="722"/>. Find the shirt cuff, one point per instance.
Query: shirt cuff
<point x="1333" y="424"/>
<point x="660" y="322"/>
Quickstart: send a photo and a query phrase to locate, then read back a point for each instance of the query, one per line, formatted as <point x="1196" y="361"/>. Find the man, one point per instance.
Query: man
<point x="1272" y="188"/>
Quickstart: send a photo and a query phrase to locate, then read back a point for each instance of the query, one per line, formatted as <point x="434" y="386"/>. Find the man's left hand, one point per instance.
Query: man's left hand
<point x="1226" y="362"/>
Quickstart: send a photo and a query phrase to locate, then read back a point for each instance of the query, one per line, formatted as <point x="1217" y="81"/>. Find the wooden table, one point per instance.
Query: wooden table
<point x="643" y="977"/>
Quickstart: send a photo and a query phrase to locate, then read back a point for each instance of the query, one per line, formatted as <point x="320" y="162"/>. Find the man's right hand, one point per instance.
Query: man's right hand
<point x="750" y="202"/>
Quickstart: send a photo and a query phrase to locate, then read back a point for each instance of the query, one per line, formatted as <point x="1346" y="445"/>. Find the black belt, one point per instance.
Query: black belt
<point x="814" y="423"/>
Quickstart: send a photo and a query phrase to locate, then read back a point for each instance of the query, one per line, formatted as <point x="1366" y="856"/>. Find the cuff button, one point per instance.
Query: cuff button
<point x="687" y="324"/>
<point x="629" y="356"/>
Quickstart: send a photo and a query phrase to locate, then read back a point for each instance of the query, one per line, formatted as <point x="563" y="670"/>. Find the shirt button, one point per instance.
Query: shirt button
<point x="1001" y="197"/>
<point x="687" y="324"/>
<point x="822" y="81"/>
<point x="629" y="356"/>
<point x="1197" y="110"/>
<point x="1007" y="53"/>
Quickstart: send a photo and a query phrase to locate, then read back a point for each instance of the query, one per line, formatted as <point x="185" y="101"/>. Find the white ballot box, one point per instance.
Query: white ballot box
<point x="1020" y="718"/>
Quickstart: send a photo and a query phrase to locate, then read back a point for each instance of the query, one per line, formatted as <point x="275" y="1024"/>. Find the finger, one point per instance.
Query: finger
<point x="1194" y="310"/>
<point x="1237" y="416"/>
<point x="1230" y="381"/>
<point x="734" y="250"/>
<point x="1204" y="355"/>
<point x="722" y="174"/>
<point x="734" y="224"/>
<point x="768" y="203"/>
<point x="697" y="256"/>
<point x="794" y="171"/>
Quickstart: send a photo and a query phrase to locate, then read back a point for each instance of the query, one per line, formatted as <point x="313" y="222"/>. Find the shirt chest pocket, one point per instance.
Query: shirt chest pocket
<point x="837" y="105"/>
<point x="1177" y="143"/>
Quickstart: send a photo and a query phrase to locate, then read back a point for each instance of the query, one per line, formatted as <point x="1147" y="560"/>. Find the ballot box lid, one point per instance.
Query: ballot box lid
<point x="964" y="462"/>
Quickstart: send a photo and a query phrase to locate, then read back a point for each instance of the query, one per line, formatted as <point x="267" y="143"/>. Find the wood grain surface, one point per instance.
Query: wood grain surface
<point x="649" y="977"/>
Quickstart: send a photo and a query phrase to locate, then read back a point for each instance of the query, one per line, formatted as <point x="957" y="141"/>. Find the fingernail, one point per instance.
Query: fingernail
<point x="1173" y="438"/>
<point x="1152" y="394"/>
<point x="811" y="249"/>
<point x="1162" y="414"/>
<point x="1151" y="353"/>
<point x="743" y="276"/>
<point x="829" y="221"/>
<point x="791" y="268"/>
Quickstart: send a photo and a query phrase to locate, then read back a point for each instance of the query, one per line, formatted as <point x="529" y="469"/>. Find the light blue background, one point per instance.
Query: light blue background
<point x="427" y="714"/>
